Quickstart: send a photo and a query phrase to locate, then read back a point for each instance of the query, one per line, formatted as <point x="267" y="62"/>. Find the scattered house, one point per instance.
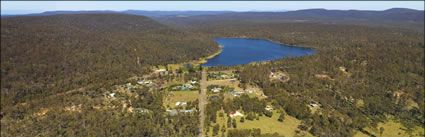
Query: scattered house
<point x="186" y="87"/>
<point x="343" y="69"/>
<point x="173" y="112"/>
<point x="235" y="114"/>
<point x="140" y="110"/>
<point x="112" y="95"/>
<point x="193" y="82"/>
<point x="160" y="70"/>
<point x="213" y="97"/>
<point x="145" y="82"/>
<point x="233" y="81"/>
<point x="234" y="93"/>
<point x="176" y="87"/>
<point x="314" y="105"/>
<point x="249" y="91"/>
<point x="181" y="103"/>
<point x="131" y="87"/>
<point x="187" y="65"/>
<point x="323" y="76"/>
<point x="189" y="85"/>
<point x="282" y="77"/>
<point x="279" y="76"/>
<point x="398" y="93"/>
<point x="215" y="90"/>
<point x="269" y="108"/>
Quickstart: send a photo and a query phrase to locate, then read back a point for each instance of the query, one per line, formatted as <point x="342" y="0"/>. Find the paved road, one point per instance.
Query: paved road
<point x="202" y="103"/>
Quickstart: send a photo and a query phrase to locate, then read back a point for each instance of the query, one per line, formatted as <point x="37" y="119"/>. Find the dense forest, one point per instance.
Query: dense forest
<point x="52" y="54"/>
<point x="43" y="58"/>
<point x="382" y="77"/>
<point x="360" y="75"/>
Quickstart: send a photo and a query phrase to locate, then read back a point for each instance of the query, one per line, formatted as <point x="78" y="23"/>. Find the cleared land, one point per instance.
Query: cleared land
<point x="266" y="124"/>
<point x="392" y="129"/>
<point x="180" y="96"/>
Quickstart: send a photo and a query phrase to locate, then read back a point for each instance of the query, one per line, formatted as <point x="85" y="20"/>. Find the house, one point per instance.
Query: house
<point x="314" y="105"/>
<point x="193" y="82"/>
<point x="140" y="110"/>
<point x="145" y="82"/>
<point x="234" y="93"/>
<point x="343" y="69"/>
<point x="183" y="103"/>
<point x="249" y="91"/>
<point x="173" y="112"/>
<point x="215" y="90"/>
<point x="398" y="93"/>
<point x="189" y="85"/>
<point x="112" y="95"/>
<point x="177" y="103"/>
<point x="213" y="97"/>
<point x="160" y="70"/>
<point x="187" y="65"/>
<point x="269" y="108"/>
<point x="131" y="87"/>
<point x="235" y="114"/>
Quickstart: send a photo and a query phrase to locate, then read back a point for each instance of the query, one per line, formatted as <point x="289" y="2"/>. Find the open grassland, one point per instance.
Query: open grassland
<point x="392" y="129"/>
<point x="257" y="92"/>
<point x="226" y="82"/>
<point x="174" y="67"/>
<point x="180" y="96"/>
<point x="266" y="124"/>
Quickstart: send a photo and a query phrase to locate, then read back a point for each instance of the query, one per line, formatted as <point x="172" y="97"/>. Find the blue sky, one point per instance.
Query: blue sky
<point x="24" y="7"/>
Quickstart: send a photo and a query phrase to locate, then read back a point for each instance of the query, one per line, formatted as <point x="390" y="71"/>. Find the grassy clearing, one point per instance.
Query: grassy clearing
<point x="226" y="82"/>
<point x="257" y="92"/>
<point x="266" y="124"/>
<point x="180" y="96"/>
<point x="174" y="67"/>
<point x="392" y="129"/>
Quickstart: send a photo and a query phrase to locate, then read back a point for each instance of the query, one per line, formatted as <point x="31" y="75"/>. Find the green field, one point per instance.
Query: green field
<point x="180" y="96"/>
<point x="392" y="129"/>
<point x="266" y="124"/>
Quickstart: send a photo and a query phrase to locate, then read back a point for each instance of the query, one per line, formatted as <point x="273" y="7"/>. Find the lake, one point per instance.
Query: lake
<point x="244" y="51"/>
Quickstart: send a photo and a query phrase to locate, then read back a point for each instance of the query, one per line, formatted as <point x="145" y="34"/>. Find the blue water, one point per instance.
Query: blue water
<point x="244" y="51"/>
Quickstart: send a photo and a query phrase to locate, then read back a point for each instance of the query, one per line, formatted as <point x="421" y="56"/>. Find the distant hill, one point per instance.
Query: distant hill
<point x="133" y="12"/>
<point x="172" y="13"/>
<point x="396" y="17"/>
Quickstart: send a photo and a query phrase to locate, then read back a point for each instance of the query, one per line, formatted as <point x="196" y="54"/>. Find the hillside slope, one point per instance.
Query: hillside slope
<point x="45" y="55"/>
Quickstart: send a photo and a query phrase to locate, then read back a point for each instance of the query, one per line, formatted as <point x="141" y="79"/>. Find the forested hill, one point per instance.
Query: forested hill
<point x="396" y="17"/>
<point x="45" y="55"/>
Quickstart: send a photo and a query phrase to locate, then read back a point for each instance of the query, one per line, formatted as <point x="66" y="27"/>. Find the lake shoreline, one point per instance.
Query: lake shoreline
<point x="276" y="50"/>
<point x="204" y="60"/>
<point x="290" y="45"/>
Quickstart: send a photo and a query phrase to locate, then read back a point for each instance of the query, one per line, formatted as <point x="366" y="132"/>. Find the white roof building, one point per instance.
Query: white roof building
<point x="112" y="95"/>
<point x="269" y="108"/>
<point x="215" y="90"/>
<point x="235" y="114"/>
